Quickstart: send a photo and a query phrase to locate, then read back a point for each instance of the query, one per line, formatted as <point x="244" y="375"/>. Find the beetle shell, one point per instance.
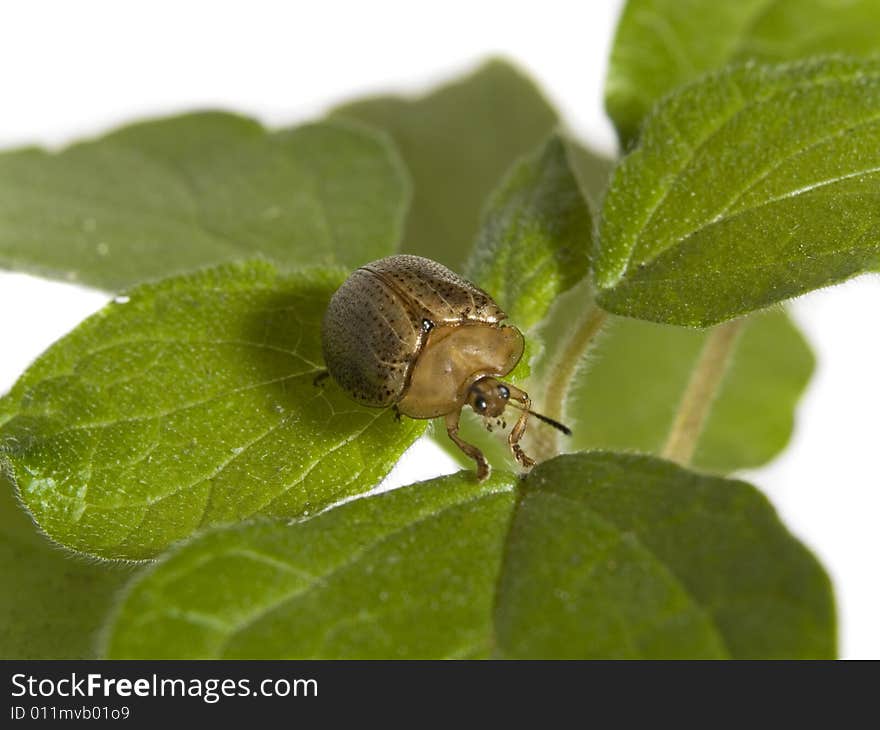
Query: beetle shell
<point x="377" y="322"/>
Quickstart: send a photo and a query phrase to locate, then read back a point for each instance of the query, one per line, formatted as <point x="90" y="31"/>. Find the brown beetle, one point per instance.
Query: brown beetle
<point x="408" y="332"/>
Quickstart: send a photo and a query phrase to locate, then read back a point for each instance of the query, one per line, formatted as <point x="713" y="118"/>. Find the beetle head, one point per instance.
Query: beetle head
<point x="488" y="397"/>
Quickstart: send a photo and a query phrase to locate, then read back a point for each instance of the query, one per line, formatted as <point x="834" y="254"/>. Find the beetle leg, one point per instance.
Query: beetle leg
<point x="397" y="415"/>
<point x="471" y="450"/>
<point x="320" y="378"/>
<point x="516" y="433"/>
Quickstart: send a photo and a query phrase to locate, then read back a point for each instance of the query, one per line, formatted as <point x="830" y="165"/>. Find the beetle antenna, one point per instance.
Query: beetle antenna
<point x="546" y="419"/>
<point x="556" y="424"/>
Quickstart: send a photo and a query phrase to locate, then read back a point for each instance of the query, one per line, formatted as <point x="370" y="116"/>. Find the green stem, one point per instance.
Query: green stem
<point x="700" y="392"/>
<point x="560" y="374"/>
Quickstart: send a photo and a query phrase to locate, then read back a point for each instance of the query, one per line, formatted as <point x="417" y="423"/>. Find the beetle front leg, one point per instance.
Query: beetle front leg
<point x="516" y="433"/>
<point x="471" y="450"/>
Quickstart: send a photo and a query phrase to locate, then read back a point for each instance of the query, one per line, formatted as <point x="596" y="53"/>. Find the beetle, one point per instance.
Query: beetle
<point x="407" y="332"/>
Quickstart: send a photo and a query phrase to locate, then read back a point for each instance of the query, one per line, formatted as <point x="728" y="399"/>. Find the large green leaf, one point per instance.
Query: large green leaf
<point x="751" y="186"/>
<point x="630" y="556"/>
<point x="405" y="574"/>
<point x="187" y="403"/>
<point x="626" y="397"/>
<point x="172" y="195"/>
<point x="52" y="603"/>
<point x="662" y="44"/>
<point x="457" y="142"/>
<point x="535" y="238"/>
<point x="594" y="555"/>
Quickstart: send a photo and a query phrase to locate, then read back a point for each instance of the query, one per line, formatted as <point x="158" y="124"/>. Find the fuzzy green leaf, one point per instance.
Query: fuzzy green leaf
<point x="752" y="186"/>
<point x="535" y="238"/>
<point x="187" y="403"/>
<point x="172" y="195"/>
<point x="457" y="142"/>
<point x="613" y="405"/>
<point x="52" y="603"/>
<point x="596" y="555"/>
<point x="663" y="44"/>
<point x="629" y="556"/>
<point x="404" y="574"/>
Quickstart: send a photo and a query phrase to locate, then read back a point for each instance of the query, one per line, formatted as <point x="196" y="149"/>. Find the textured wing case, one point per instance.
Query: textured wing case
<point x="377" y="321"/>
<point x="441" y="294"/>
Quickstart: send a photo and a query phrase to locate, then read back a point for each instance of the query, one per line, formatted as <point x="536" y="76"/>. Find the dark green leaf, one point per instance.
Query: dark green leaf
<point x="662" y="44"/>
<point x="628" y="556"/>
<point x="596" y="555"/>
<point x="577" y="586"/>
<point x="176" y="194"/>
<point x="188" y="403"/>
<point x="51" y="602"/>
<point x="627" y="395"/>
<point x="750" y="187"/>
<point x="535" y="238"/>
<point x="457" y="142"/>
<point x="404" y="574"/>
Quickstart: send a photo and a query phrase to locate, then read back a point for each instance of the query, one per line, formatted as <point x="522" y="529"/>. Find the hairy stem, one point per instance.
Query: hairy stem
<point x="700" y="392"/>
<point x="561" y="372"/>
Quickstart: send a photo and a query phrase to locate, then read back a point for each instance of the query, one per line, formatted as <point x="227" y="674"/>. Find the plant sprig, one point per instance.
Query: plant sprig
<point x="186" y="411"/>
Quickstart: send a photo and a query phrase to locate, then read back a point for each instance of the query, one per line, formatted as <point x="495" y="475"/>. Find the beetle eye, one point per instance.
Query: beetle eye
<point x="480" y="403"/>
<point x="503" y="392"/>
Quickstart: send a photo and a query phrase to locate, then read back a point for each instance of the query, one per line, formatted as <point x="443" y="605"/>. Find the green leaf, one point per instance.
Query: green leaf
<point x="535" y="238"/>
<point x="752" y="186"/>
<point x="594" y="555"/>
<point x="457" y="142"/>
<point x="187" y="403"/>
<point x="404" y="574"/>
<point x="662" y="44"/>
<point x="52" y="603"/>
<point x="176" y="194"/>
<point x="614" y="403"/>
<point x="629" y="556"/>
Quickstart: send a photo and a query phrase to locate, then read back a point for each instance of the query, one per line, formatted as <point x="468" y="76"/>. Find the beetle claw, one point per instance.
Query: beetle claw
<point x="318" y="380"/>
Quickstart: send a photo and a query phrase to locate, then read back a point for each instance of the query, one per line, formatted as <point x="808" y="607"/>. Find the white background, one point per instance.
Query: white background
<point x="75" y="69"/>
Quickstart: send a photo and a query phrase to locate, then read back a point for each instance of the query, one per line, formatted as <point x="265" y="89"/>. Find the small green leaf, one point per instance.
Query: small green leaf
<point x="752" y="186"/>
<point x="457" y="142"/>
<point x="52" y="603"/>
<point x="173" y="195"/>
<point x="616" y="403"/>
<point x="535" y="238"/>
<point x="594" y="555"/>
<point x="662" y="44"/>
<point x="404" y="574"/>
<point x="629" y="556"/>
<point x="187" y="403"/>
